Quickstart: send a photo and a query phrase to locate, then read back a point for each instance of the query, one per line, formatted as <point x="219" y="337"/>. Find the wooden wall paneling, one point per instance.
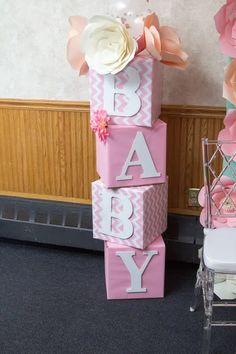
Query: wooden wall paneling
<point x="47" y="150"/>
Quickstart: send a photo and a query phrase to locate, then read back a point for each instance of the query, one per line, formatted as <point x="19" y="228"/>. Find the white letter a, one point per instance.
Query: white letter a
<point x="145" y="160"/>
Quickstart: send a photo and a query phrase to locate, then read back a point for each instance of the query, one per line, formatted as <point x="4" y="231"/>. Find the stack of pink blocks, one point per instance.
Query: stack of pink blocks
<point x="130" y="199"/>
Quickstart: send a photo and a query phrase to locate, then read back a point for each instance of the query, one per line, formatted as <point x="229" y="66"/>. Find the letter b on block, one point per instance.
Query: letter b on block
<point x="122" y="215"/>
<point x="132" y="103"/>
<point x="131" y="216"/>
<point x="132" y="96"/>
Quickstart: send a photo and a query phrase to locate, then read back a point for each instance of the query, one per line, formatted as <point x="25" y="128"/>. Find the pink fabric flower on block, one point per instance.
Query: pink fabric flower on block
<point x="99" y="124"/>
<point x="163" y="43"/>
<point x="229" y="133"/>
<point x="227" y="204"/>
<point x="229" y="86"/>
<point x="74" y="54"/>
<point x="225" y="21"/>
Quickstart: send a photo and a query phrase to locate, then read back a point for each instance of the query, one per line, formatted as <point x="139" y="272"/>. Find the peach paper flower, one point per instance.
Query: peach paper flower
<point x="225" y="21"/>
<point x="163" y="43"/>
<point x="229" y="133"/>
<point x="229" y="86"/>
<point x="74" y="54"/>
<point x="227" y="204"/>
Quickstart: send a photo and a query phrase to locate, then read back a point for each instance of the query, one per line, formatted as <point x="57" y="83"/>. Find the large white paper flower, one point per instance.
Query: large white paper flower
<point x="107" y="45"/>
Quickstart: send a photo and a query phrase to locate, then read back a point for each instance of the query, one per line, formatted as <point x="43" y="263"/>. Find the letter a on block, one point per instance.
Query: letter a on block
<point x="135" y="272"/>
<point x="123" y="215"/>
<point x="145" y="160"/>
<point x="131" y="85"/>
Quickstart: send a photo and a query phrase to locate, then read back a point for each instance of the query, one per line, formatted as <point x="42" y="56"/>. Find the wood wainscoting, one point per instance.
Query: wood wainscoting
<point x="47" y="150"/>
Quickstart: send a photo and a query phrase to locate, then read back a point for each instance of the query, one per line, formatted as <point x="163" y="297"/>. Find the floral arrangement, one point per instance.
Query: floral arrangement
<point x="105" y="45"/>
<point x="224" y="196"/>
<point x="225" y="21"/>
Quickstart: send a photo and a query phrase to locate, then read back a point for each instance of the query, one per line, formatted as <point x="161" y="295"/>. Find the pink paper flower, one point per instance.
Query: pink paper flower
<point x="229" y="133"/>
<point x="220" y="198"/>
<point x="74" y="54"/>
<point x="229" y="85"/>
<point x="99" y="124"/>
<point x="225" y="21"/>
<point x="163" y="43"/>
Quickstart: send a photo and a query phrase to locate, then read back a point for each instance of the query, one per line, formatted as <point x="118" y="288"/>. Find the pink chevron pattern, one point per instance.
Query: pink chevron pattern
<point x="149" y="92"/>
<point x="149" y="216"/>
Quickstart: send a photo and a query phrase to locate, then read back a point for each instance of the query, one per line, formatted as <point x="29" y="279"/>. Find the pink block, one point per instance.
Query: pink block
<point x="112" y="155"/>
<point x="149" y="92"/>
<point x="130" y="216"/>
<point x="122" y="281"/>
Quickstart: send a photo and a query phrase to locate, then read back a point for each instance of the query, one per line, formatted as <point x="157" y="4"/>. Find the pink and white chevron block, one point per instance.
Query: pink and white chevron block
<point x="131" y="97"/>
<point x="132" y="156"/>
<point x="133" y="274"/>
<point x="133" y="216"/>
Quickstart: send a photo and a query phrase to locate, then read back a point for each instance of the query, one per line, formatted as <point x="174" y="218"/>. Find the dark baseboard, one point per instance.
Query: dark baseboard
<point x="70" y="225"/>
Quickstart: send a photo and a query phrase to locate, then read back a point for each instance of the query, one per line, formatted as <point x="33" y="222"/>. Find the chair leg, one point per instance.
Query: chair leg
<point x="198" y="286"/>
<point x="208" y="294"/>
<point x="197" y="294"/>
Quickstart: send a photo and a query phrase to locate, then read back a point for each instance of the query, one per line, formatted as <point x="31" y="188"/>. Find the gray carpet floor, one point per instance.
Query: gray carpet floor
<point x="53" y="300"/>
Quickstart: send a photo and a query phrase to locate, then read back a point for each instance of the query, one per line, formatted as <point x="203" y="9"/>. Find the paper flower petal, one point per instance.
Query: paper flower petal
<point x="168" y="33"/>
<point x="151" y="20"/>
<point x="225" y="21"/>
<point x="220" y="19"/>
<point x="75" y="55"/>
<point x="177" y="59"/>
<point x="229" y="85"/>
<point x="229" y="132"/>
<point x="153" y="43"/>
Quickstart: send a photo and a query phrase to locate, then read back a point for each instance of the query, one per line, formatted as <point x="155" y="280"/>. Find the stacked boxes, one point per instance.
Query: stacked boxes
<point x="130" y="199"/>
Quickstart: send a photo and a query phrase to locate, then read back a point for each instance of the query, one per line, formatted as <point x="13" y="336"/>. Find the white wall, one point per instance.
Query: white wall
<point x="33" y="36"/>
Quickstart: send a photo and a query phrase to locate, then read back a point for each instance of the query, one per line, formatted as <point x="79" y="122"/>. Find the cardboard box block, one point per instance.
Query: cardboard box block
<point x="132" y="156"/>
<point x="131" y="273"/>
<point x="130" y="216"/>
<point x="131" y="97"/>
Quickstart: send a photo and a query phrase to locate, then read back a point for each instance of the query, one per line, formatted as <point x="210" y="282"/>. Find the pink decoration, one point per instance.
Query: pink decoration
<point x="74" y="53"/>
<point x="112" y="157"/>
<point x="219" y="197"/>
<point x="130" y="216"/>
<point x="163" y="43"/>
<point x="225" y="21"/>
<point x="99" y="124"/>
<point x="149" y="92"/>
<point x="229" y="132"/>
<point x="120" y="279"/>
<point x="229" y="86"/>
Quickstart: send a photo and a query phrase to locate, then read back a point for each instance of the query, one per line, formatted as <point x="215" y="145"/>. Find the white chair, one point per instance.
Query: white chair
<point x="218" y="255"/>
